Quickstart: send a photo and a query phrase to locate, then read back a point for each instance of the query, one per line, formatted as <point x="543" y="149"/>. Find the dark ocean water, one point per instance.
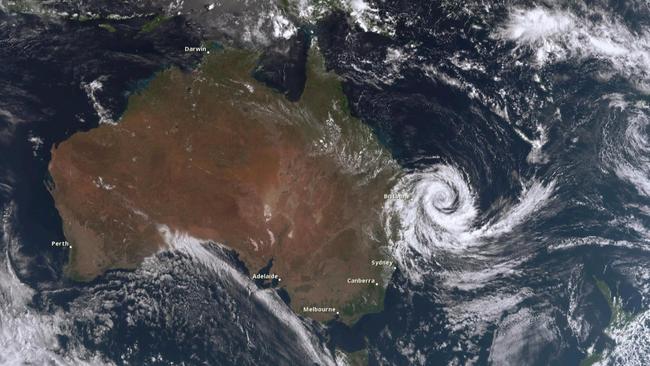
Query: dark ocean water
<point x="540" y="304"/>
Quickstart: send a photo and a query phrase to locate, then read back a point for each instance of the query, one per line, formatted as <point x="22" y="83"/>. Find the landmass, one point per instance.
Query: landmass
<point x="219" y="156"/>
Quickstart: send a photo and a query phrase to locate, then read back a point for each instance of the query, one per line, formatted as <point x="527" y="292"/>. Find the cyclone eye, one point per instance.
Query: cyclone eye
<point x="445" y="198"/>
<point x="441" y="198"/>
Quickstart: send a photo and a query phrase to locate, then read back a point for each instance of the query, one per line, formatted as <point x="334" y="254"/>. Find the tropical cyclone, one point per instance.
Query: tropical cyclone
<point x="216" y="155"/>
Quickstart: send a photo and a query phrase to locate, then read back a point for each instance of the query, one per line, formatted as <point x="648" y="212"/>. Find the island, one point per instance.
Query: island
<point x="219" y="156"/>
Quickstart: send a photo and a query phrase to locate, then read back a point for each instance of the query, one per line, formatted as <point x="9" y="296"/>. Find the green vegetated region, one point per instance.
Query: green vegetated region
<point x="154" y="23"/>
<point x="369" y="302"/>
<point x="591" y="359"/>
<point x="358" y="358"/>
<point x="318" y="8"/>
<point x="619" y="318"/>
<point x="21" y="6"/>
<point x="108" y="27"/>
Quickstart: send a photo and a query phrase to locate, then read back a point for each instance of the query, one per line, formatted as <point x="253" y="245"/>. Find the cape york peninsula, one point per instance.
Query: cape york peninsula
<point x="219" y="156"/>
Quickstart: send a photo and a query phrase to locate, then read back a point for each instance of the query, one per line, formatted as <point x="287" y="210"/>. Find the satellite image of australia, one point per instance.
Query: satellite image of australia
<point x="325" y="182"/>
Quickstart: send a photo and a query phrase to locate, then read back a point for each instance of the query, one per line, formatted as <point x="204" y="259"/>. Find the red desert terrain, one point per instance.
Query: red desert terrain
<point x="217" y="155"/>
